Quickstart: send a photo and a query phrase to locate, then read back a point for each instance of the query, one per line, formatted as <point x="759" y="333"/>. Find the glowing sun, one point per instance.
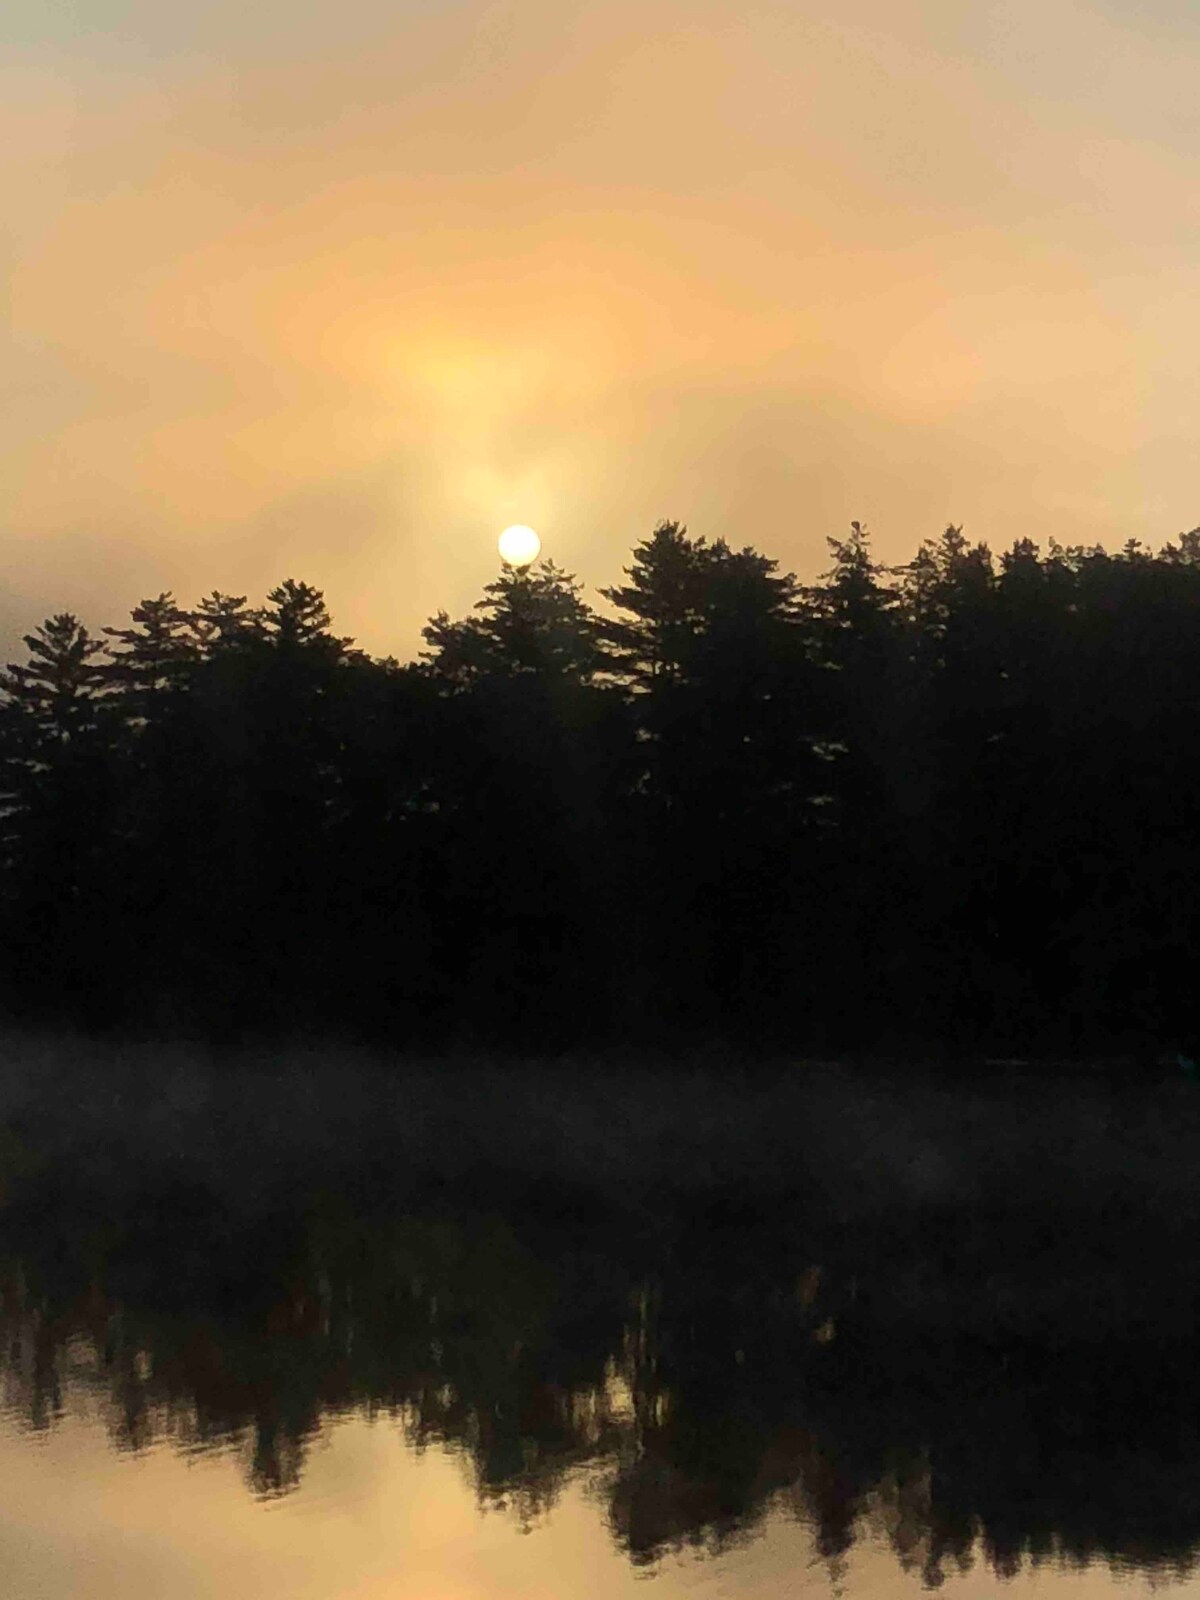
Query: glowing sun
<point x="519" y="545"/>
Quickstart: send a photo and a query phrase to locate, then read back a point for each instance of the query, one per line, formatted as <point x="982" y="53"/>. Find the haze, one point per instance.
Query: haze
<point x="337" y="292"/>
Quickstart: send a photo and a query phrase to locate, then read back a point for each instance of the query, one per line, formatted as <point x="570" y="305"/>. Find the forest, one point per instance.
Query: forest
<point x="949" y="804"/>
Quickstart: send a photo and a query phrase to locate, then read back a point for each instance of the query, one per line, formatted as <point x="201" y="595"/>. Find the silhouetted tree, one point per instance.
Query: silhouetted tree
<point x="296" y="619"/>
<point x="221" y="621"/>
<point x="157" y="654"/>
<point x="723" y="695"/>
<point x="147" y="679"/>
<point x="60" y="765"/>
<point x="386" y="860"/>
<point x="949" y="801"/>
<point x="875" y="785"/>
<point x="528" y="753"/>
<point x="531" y="620"/>
<point x="953" y="657"/>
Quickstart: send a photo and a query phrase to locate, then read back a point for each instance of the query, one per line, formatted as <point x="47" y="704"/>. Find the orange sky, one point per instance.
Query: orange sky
<point x="335" y="292"/>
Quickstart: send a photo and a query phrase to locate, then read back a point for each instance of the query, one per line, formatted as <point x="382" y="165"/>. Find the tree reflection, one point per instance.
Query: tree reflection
<point x="731" y="1379"/>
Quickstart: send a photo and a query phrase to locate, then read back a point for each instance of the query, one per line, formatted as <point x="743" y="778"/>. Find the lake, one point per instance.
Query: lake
<point x="246" y="1352"/>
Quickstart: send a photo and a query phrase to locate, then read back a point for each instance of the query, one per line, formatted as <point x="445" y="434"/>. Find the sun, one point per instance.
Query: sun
<point x="519" y="545"/>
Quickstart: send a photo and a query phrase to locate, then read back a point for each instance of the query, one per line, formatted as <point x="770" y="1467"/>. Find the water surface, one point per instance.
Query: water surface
<point x="345" y="1378"/>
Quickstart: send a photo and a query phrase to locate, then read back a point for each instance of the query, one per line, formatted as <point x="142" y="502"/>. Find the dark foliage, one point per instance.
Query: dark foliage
<point x="954" y="801"/>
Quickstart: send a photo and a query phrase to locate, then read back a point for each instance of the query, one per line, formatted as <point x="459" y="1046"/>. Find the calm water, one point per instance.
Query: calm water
<point x="339" y="1386"/>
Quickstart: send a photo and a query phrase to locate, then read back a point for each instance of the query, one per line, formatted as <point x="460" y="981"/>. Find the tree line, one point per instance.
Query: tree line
<point x="949" y="802"/>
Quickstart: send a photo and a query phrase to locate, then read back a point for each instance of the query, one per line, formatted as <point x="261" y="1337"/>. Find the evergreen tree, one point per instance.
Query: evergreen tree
<point x="157" y="654"/>
<point x="531" y="620"/>
<point x="287" y="681"/>
<point x="875" y="784"/>
<point x="49" y="706"/>
<point x="664" y="606"/>
<point x="387" y="861"/>
<point x="955" y="662"/>
<point x="722" y="692"/>
<point x="528" y="748"/>
<point x="297" y="619"/>
<point x="60" y="754"/>
<point x="222" y="622"/>
<point x="60" y="686"/>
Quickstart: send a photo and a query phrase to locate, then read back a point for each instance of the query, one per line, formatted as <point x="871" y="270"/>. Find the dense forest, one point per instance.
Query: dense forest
<point x="952" y="802"/>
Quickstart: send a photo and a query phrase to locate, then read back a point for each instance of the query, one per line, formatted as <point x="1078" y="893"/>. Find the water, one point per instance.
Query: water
<point x="342" y="1378"/>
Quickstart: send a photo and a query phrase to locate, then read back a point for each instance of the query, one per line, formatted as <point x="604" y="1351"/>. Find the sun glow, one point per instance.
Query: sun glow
<point x="519" y="546"/>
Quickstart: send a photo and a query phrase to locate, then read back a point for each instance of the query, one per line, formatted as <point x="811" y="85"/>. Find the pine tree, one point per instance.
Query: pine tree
<point x="528" y="739"/>
<point x="297" y="619"/>
<point x="156" y="657"/>
<point x="60" y="749"/>
<point x="713" y="656"/>
<point x="60" y="686"/>
<point x="221" y="622"/>
<point x="49" y="706"/>
<point x="664" y="603"/>
<point x="532" y="620"/>
<point x="873" y="784"/>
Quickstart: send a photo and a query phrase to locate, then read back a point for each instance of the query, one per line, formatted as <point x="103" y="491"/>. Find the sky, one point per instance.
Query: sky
<point x="336" y="292"/>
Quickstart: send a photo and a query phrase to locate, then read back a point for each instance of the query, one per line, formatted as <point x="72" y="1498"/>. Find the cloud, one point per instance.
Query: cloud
<point x="341" y="313"/>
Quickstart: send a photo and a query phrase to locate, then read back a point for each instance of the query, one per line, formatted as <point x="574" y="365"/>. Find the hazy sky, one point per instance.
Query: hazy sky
<point x="335" y="292"/>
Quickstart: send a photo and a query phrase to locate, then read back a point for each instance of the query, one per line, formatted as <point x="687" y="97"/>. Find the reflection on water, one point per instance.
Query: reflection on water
<point x="697" y="1378"/>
